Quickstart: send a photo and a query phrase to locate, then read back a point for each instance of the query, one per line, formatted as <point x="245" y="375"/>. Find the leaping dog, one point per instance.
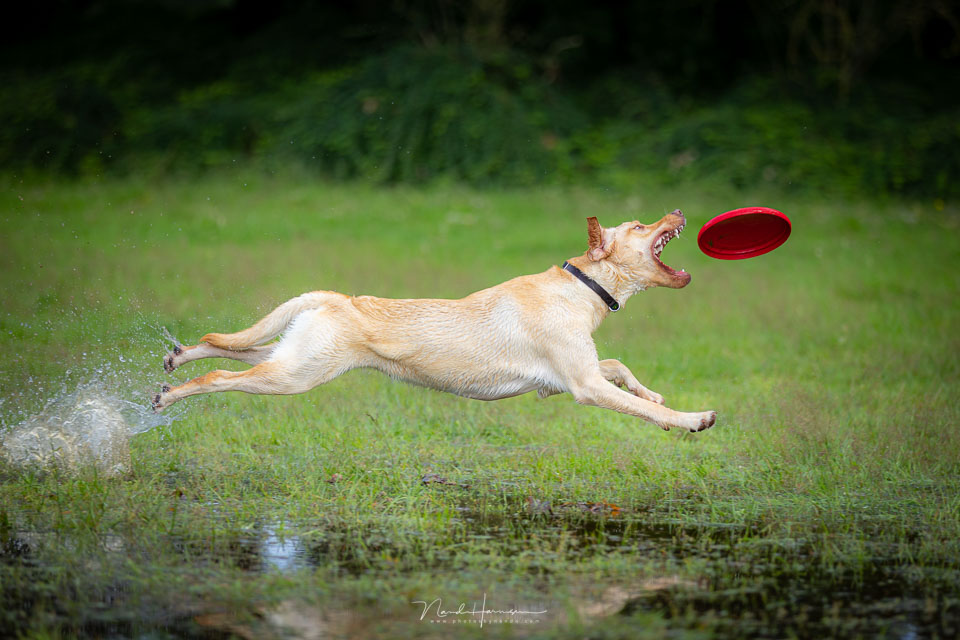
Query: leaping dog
<point x="531" y="333"/>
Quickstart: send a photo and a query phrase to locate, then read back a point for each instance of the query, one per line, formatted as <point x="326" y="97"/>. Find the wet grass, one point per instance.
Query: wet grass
<point x="824" y="502"/>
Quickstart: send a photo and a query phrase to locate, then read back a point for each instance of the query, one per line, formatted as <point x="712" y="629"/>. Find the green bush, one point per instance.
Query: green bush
<point x="414" y="114"/>
<point x="749" y="138"/>
<point x="208" y="126"/>
<point x="57" y="121"/>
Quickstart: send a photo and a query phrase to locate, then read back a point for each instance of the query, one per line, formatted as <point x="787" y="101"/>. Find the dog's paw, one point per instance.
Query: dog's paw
<point x="170" y="360"/>
<point x="158" y="403"/>
<point x="695" y="422"/>
<point x="708" y="420"/>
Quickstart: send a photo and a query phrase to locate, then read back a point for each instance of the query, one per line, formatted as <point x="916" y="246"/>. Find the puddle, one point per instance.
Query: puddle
<point x="281" y="553"/>
<point x="262" y="550"/>
<point x="741" y="589"/>
<point x="745" y="585"/>
<point x="882" y="601"/>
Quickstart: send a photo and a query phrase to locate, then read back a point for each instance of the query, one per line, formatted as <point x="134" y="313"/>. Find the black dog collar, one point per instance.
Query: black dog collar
<point x="590" y="282"/>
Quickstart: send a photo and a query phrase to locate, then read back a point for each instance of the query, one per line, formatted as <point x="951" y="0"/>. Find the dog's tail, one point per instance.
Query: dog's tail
<point x="270" y="326"/>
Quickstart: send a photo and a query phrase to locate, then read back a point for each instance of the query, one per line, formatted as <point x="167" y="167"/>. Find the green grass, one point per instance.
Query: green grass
<point x="833" y="364"/>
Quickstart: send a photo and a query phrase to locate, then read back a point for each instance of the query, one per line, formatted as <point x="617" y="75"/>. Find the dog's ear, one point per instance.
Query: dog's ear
<point x="600" y="244"/>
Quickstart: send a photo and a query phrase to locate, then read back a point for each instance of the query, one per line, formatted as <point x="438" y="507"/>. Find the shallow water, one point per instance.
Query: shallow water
<point x="741" y="589"/>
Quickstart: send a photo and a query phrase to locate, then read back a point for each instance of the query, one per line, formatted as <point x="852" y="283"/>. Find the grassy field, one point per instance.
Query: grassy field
<point x="826" y="501"/>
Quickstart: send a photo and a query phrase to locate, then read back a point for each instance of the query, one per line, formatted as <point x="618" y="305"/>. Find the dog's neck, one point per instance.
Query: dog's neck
<point x="619" y="280"/>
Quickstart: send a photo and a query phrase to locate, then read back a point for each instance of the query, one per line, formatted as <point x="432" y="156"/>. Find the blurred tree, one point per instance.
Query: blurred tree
<point x="567" y="88"/>
<point x="845" y="37"/>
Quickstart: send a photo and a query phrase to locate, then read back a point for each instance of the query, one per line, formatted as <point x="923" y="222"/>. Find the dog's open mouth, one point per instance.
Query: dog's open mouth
<point x="660" y="243"/>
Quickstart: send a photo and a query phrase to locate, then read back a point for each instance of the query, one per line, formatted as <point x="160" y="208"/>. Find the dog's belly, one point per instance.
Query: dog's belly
<point x="463" y="373"/>
<point x="483" y="370"/>
<point x="492" y="388"/>
<point x="477" y="347"/>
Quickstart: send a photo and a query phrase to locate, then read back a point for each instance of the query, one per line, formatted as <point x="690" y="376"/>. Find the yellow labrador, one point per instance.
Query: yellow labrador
<point x="532" y="333"/>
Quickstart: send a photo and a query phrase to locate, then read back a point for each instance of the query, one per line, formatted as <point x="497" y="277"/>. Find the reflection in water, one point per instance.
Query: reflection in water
<point x="740" y="589"/>
<point x="281" y="553"/>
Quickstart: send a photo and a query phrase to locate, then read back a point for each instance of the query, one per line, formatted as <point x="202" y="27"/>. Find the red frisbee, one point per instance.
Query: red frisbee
<point x="744" y="233"/>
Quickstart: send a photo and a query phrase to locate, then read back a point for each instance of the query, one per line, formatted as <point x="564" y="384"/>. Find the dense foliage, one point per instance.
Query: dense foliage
<point x="810" y="95"/>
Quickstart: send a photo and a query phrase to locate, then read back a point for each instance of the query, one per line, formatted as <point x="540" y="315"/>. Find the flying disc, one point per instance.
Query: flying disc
<point x="744" y="233"/>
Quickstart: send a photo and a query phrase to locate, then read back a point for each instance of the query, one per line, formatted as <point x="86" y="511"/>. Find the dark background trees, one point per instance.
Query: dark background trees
<point x="801" y="93"/>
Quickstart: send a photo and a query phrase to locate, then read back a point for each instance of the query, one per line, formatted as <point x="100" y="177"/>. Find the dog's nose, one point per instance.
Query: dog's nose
<point x="677" y="212"/>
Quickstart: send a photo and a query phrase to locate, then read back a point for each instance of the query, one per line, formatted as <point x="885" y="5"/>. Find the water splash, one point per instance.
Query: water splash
<point x="87" y="417"/>
<point x="76" y="429"/>
<point x="88" y="426"/>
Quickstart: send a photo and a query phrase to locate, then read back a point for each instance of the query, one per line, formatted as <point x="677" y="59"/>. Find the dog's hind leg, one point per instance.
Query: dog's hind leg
<point x="617" y="373"/>
<point x="272" y="377"/>
<point x="182" y="354"/>
<point x="312" y="352"/>
<point x="274" y="323"/>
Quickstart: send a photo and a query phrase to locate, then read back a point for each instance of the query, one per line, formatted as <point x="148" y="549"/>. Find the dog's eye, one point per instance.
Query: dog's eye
<point x="639" y="227"/>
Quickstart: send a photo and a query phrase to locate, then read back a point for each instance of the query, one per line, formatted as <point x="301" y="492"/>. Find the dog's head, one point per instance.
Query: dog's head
<point x="635" y="249"/>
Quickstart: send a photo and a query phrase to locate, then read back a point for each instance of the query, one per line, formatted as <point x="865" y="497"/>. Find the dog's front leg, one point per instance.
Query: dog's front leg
<point x="617" y="373"/>
<point x="594" y="389"/>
